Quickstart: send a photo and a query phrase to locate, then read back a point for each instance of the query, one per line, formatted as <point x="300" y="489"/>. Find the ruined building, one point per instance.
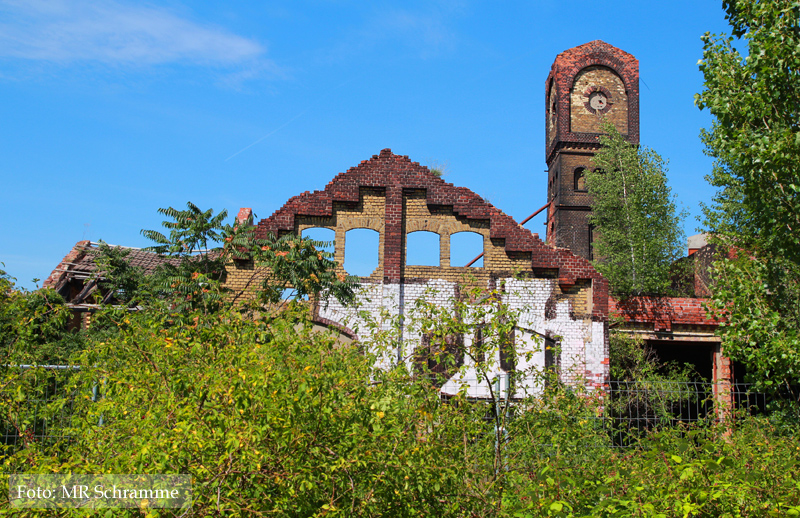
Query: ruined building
<point x="565" y="302"/>
<point x="562" y="297"/>
<point x="599" y="79"/>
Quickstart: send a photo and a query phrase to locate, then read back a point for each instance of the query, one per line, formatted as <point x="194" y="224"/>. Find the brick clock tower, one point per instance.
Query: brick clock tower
<point x="587" y="84"/>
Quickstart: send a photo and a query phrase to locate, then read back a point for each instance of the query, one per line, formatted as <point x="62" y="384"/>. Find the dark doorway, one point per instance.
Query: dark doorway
<point x="697" y="354"/>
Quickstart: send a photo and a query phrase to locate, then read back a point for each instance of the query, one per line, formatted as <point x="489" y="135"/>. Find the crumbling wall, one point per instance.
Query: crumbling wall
<point x="560" y="295"/>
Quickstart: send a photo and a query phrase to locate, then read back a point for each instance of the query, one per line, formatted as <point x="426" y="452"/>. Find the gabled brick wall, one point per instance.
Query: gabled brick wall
<point x="560" y="294"/>
<point x="396" y="175"/>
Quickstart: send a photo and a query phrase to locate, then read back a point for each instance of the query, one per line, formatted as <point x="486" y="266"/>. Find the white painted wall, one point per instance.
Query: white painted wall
<point x="391" y="309"/>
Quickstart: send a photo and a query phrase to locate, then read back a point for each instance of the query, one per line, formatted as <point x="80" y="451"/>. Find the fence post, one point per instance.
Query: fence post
<point x="95" y="398"/>
<point x="722" y="384"/>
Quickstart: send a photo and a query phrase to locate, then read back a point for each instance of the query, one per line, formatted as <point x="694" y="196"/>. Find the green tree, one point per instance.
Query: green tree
<point x="755" y="140"/>
<point x="193" y="278"/>
<point x="34" y="326"/>
<point x="755" y="136"/>
<point x="758" y="298"/>
<point x="298" y="267"/>
<point x="200" y="246"/>
<point x="115" y="273"/>
<point x="639" y="229"/>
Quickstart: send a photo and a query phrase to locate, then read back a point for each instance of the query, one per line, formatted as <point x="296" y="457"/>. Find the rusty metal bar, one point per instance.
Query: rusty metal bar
<point x="523" y="222"/>
<point x="535" y="213"/>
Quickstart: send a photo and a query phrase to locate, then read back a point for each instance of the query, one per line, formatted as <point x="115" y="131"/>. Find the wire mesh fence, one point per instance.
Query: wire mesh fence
<point x="37" y="405"/>
<point x="636" y="408"/>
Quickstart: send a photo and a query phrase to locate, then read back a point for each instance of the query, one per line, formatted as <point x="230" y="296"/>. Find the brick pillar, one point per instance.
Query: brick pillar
<point x="339" y="246"/>
<point x="393" y="241"/>
<point x="444" y="250"/>
<point x="723" y="383"/>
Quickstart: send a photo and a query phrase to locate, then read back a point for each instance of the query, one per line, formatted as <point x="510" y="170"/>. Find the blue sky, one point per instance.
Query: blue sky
<point x="111" y="109"/>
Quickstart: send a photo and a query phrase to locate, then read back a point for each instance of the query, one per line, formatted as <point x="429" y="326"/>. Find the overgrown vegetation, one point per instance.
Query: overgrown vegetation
<point x="755" y="215"/>
<point x="272" y="419"/>
<point x="632" y="359"/>
<point x="34" y="326"/>
<point x="438" y="168"/>
<point x="639" y="231"/>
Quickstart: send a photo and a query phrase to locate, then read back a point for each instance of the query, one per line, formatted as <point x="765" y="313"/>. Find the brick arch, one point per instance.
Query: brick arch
<point x="598" y="60"/>
<point x="362" y="223"/>
<point x="437" y="227"/>
<point x="565" y="69"/>
<point x="396" y="174"/>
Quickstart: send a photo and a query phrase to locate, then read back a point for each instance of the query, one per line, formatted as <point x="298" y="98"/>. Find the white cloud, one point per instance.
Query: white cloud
<point x="112" y="32"/>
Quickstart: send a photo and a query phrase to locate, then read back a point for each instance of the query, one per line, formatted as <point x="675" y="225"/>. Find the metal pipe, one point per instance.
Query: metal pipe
<point x="535" y="213"/>
<point x="523" y="222"/>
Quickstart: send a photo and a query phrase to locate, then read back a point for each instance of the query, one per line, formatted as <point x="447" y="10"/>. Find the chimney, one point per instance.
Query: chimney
<point x="696" y="242"/>
<point x="244" y="215"/>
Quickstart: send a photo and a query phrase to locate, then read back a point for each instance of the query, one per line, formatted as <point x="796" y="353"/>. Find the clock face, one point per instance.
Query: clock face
<point x="598" y="101"/>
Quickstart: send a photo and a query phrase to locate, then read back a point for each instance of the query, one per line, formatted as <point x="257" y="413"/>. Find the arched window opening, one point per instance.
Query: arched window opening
<point x="580" y="179"/>
<point x="324" y="235"/>
<point x="422" y="248"/>
<point x="361" y="247"/>
<point x="464" y="247"/>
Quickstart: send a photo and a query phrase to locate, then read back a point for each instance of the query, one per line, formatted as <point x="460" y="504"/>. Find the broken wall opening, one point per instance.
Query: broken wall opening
<point x="422" y="248"/>
<point x="700" y="356"/>
<point x="322" y="234"/>
<point x="697" y="354"/>
<point x="361" y="251"/>
<point x="464" y="247"/>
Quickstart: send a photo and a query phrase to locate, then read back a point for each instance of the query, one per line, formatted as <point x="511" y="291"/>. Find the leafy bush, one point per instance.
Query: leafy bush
<point x="705" y="471"/>
<point x="272" y="418"/>
<point x="268" y="417"/>
<point x="34" y="326"/>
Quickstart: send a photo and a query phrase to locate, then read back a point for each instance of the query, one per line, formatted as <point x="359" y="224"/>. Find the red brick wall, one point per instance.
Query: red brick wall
<point x="397" y="174"/>
<point x="662" y="312"/>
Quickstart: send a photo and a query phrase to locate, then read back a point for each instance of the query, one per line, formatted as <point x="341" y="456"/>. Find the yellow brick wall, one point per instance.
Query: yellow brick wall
<point x="243" y="279"/>
<point x="369" y="213"/>
<point x="584" y="121"/>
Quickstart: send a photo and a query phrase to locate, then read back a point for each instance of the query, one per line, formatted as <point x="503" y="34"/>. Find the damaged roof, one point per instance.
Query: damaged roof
<point x="80" y="265"/>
